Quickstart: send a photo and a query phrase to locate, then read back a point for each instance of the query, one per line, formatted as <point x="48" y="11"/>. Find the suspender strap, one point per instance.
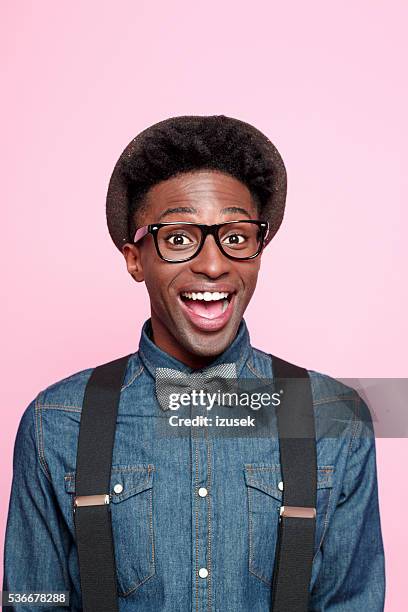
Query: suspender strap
<point x="92" y="516"/>
<point x="297" y="442"/>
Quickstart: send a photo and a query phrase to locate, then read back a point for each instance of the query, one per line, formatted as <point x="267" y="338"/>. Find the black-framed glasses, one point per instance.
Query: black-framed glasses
<point x="181" y="241"/>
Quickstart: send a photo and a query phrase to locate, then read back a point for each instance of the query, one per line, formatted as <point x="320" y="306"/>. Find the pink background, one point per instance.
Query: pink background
<point x="326" y="81"/>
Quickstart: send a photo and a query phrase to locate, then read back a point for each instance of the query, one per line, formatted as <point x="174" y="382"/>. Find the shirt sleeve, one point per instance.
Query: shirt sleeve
<point x="352" y="574"/>
<point x="35" y="555"/>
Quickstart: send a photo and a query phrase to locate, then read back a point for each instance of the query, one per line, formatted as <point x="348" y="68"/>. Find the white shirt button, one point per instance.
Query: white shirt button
<point x="118" y="488"/>
<point x="280" y="486"/>
<point x="203" y="572"/>
<point x="202" y="491"/>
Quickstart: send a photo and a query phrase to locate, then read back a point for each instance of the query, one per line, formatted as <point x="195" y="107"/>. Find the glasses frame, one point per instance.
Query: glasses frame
<point x="153" y="229"/>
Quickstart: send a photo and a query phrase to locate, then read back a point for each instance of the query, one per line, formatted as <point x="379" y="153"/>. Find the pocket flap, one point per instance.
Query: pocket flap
<point x="267" y="477"/>
<point x="132" y="479"/>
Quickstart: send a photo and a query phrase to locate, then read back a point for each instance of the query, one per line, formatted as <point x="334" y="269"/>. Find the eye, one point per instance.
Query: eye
<point x="232" y="239"/>
<point x="178" y="239"/>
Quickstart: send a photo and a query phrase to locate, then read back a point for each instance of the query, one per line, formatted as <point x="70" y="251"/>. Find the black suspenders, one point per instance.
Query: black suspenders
<point x="92" y="516"/>
<point x="93" y="527"/>
<point x="297" y="444"/>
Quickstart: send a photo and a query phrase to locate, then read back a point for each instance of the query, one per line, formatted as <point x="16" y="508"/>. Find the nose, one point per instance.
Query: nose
<point x="210" y="261"/>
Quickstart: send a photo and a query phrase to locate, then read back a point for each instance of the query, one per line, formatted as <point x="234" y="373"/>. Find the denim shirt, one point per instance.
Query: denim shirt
<point x="165" y="531"/>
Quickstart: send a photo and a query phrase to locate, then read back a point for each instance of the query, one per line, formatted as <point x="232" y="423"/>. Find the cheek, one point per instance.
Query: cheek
<point x="159" y="277"/>
<point x="249" y="280"/>
<point x="249" y="276"/>
<point x="155" y="284"/>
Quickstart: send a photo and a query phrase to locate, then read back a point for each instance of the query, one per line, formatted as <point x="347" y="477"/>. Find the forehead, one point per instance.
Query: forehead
<point x="200" y="188"/>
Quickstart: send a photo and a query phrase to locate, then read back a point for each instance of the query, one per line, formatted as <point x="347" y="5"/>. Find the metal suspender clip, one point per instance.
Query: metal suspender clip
<point x="91" y="500"/>
<point x="297" y="512"/>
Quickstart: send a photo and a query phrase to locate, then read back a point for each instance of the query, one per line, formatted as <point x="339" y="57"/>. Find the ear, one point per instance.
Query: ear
<point x="131" y="253"/>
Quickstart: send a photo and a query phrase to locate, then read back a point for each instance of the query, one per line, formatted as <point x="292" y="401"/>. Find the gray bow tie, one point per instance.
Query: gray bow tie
<point x="170" y="381"/>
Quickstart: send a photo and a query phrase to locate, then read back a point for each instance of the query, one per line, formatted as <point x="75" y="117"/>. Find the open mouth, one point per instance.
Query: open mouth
<point x="208" y="310"/>
<point x="210" y="304"/>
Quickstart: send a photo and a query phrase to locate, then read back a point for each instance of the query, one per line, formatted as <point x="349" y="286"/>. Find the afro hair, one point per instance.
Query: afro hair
<point x="193" y="142"/>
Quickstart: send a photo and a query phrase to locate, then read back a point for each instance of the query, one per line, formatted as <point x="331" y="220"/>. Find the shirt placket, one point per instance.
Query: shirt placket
<point x="201" y="475"/>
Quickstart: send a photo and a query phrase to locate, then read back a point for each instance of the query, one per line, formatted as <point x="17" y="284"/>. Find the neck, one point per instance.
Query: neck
<point x="167" y="343"/>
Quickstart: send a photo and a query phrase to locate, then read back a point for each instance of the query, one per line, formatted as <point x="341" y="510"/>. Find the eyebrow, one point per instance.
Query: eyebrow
<point x="189" y="210"/>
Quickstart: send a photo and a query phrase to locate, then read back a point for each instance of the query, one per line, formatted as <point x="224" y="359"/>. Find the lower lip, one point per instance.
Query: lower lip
<point x="205" y="324"/>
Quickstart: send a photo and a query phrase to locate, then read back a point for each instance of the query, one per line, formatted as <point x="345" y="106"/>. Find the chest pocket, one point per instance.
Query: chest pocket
<point x="131" y="506"/>
<point x="264" y="502"/>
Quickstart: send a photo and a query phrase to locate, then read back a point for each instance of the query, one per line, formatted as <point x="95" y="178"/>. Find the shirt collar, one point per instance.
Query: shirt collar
<point x="153" y="357"/>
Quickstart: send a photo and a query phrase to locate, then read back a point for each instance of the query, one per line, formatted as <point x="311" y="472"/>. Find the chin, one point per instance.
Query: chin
<point x="206" y="345"/>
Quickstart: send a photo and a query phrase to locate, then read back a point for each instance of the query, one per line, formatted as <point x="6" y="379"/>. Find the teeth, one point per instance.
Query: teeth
<point x="207" y="296"/>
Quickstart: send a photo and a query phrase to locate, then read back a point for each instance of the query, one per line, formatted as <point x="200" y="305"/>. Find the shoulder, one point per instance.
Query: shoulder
<point x="327" y="391"/>
<point x="69" y="391"/>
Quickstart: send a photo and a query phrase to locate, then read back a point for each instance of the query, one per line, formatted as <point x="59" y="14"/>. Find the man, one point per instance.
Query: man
<point x="192" y="203"/>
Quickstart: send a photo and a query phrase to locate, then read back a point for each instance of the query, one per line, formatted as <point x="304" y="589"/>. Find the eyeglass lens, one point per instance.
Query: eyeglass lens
<point x="182" y="241"/>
